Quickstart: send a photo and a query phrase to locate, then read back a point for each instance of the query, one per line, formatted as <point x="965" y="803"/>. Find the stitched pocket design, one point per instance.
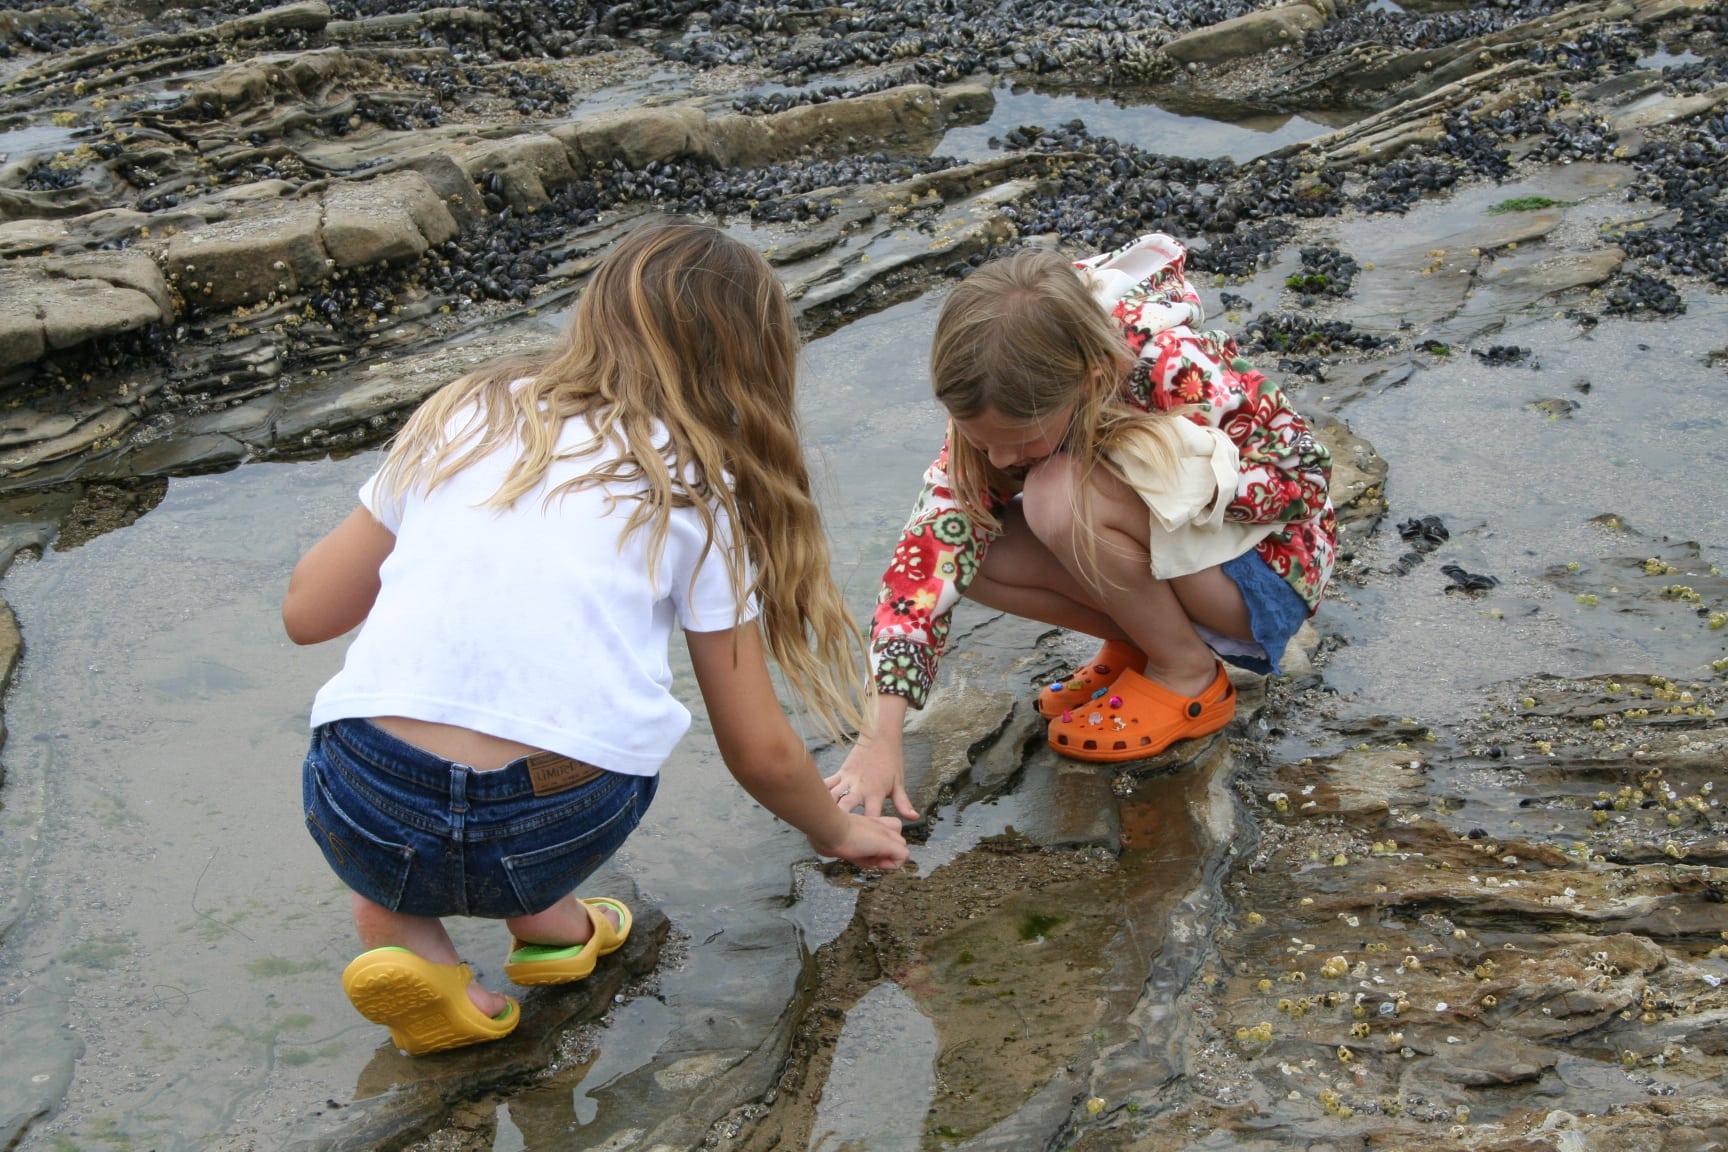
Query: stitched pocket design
<point x="366" y="861"/>
<point x="544" y="876"/>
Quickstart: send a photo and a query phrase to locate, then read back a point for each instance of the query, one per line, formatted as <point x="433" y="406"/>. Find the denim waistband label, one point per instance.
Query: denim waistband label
<point x="551" y="773"/>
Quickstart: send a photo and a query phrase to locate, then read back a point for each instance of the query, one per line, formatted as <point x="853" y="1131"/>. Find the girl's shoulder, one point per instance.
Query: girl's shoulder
<point x="1179" y="367"/>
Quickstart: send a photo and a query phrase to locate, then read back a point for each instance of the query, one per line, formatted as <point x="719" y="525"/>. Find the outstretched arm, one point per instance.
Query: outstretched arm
<point x="335" y="583"/>
<point x="768" y="759"/>
<point x="938" y="554"/>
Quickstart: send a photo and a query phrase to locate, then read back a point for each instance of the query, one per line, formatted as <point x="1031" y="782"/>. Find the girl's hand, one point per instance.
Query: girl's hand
<point x="874" y="771"/>
<point x="769" y="759"/>
<point x="869" y="842"/>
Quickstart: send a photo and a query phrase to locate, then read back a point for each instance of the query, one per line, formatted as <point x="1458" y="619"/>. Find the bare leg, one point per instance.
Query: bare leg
<point x="1157" y="615"/>
<point x="1211" y="598"/>
<point x="566" y="922"/>
<point x="1022" y="577"/>
<point x="422" y="935"/>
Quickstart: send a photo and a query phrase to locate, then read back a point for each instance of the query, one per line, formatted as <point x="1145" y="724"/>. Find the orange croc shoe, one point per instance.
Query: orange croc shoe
<point x="1139" y="718"/>
<point x="1090" y="680"/>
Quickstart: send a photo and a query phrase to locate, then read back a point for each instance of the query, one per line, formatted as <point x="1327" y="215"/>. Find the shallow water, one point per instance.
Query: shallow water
<point x="886" y="1056"/>
<point x="1148" y="126"/>
<point x="1624" y="418"/>
<point x="32" y="140"/>
<point x="188" y="964"/>
<point x="1662" y="58"/>
<point x="1520" y="489"/>
<point x="659" y="86"/>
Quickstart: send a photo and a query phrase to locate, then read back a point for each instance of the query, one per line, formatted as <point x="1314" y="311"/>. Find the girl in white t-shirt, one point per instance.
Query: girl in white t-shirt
<point x="518" y="564"/>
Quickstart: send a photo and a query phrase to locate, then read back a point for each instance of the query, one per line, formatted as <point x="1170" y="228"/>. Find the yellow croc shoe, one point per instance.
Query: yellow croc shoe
<point x="533" y="964"/>
<point x="425" y="1005"/>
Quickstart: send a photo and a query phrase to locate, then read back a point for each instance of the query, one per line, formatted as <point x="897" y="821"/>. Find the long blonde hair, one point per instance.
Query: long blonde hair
<point x="1023" y="337"/>
<point x="685" y="331"/>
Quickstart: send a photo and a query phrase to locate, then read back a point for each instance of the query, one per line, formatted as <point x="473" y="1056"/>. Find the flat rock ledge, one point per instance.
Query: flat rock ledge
<point x="402" y="1098"/>
<point x="265" y="242"/>
<point x="1251" y="34"/>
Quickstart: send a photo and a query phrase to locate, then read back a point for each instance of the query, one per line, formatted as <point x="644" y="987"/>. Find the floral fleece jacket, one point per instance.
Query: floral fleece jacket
<point x="1284" y="470"/>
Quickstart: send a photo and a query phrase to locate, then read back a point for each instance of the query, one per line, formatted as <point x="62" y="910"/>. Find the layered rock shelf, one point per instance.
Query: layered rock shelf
<point x="1454" y="879"/>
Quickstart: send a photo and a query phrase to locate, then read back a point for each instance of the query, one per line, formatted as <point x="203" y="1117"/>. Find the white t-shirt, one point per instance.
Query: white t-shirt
<point x="531" y="623"/>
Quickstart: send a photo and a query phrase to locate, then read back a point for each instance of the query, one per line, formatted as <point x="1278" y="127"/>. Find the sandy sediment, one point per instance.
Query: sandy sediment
<point x="268" y="233"/>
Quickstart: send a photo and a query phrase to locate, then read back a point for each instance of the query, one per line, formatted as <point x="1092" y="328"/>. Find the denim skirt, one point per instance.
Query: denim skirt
<point x="1275" y="612"/>
<point x="424" y="836"/>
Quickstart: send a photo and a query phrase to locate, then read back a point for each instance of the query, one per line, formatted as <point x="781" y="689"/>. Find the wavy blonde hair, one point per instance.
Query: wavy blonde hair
<point x="1023" y="337"/>
<point x="684" y="331"/>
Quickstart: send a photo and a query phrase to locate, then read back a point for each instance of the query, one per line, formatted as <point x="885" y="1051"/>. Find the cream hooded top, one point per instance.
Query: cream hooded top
<point x="1188" y="531"/>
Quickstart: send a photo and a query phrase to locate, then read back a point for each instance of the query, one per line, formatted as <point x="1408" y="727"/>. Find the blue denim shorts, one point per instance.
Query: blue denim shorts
<point x="1275" y="612"/>
<point x="426" y="837"/>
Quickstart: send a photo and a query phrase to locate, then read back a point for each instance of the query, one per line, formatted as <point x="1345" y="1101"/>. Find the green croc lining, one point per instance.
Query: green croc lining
<point x="533" y="953"/>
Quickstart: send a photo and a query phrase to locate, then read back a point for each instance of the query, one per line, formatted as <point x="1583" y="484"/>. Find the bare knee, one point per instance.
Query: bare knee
<point x="1051" y="502"/>
<point x="1066" y="505"/>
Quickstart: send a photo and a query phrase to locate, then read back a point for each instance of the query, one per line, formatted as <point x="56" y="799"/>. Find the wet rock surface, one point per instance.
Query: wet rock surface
<point x="1455" y="881"/>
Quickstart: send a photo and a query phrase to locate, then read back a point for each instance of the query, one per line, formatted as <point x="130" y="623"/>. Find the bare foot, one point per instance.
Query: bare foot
<point x="1184" y="683"/>
<point x="486" y="1000"/>
<point x="613" y="916"/>
<point x="565" y="924"/>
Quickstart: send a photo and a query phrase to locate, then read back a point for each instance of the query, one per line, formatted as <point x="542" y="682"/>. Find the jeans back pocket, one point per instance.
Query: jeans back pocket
<point x="365" y="860"/>
<point x="543" y="876"/>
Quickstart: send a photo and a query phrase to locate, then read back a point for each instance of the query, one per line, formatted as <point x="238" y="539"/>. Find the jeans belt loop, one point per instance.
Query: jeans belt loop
<point x="459" y="788"/>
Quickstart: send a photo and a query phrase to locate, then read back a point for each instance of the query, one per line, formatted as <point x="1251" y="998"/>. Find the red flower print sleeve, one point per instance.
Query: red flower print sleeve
<point x="1284" y="471"/>
<point x="938" y="554"/>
